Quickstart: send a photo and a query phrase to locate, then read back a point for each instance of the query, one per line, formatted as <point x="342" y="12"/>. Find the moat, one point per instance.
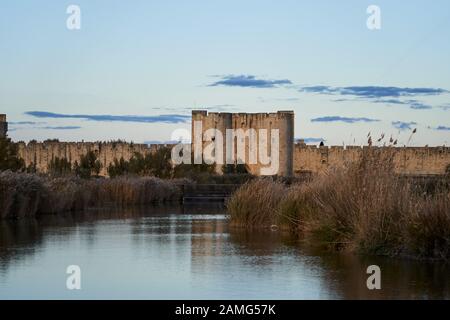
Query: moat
<point x="190" y="253"/>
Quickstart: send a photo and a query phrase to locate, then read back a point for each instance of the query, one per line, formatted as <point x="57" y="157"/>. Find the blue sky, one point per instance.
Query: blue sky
<point x="135" y="69"/>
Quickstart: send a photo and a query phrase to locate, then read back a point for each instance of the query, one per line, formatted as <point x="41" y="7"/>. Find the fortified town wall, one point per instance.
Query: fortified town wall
<point x="296" y="158"/>
<point x="41" y="154"/>
<point x="307" y="159"/>
<point x="407" y="160"/>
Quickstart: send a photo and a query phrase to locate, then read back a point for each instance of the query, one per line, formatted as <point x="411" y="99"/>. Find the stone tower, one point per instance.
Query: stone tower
<point x="3" y="126"/>
<point x="283" y="121"/>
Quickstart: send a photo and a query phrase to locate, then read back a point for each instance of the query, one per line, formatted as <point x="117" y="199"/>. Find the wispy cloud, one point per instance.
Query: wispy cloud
<point x="221" y="108"/>
<point x="417" y="105"/>
<point x="161" y="142"/>
<point x="312" y="140"/>
<point x="25" y="123"/>
<point x="343" y="119"/>
<point x="403" y="125"/>
<point x="320" y="89"/>
<point x="378" y="94"/>
<point x="249" y="81"/>
<point x="374" y="91"/>
<point x="42" y="128"/>
<point x="290" y="99"/>
<point x="445" y="107"/>
<point x="60" y="128"/>
<point x="165" y="118"/>
<point x="412" y="103"/>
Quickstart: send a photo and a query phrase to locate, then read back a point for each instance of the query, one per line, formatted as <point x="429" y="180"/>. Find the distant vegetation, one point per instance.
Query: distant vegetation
<point x="9" y="159"/>
<point x="156" y="164"/>
<point x="88" y="167"/>
<point x="364" y="207"/>
<point x="59" y="167"/>
<point x="28" y="195"/>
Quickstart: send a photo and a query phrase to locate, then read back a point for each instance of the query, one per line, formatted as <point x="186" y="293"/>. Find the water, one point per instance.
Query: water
<point x="182" y="253"/>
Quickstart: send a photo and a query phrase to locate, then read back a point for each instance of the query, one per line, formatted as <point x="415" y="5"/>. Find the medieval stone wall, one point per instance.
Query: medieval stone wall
<point x="294" y="158"/>
<point x="407" y="160"/>
<point x="41" y="154"/>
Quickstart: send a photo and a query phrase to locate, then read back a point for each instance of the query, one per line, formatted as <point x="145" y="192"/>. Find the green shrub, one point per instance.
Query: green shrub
<point x="9" y="159"/>
<point x="59" y="167"/>
<point x="89" y="166"/>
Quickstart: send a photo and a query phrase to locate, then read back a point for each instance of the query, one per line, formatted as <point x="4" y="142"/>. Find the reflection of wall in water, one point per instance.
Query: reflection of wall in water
<point x="208" y="237"/>
<point x="401" y="278"/>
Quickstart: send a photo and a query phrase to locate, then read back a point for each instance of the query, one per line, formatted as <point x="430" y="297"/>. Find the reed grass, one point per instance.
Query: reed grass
<point x="363" y="207"/>
<point x="28" y="195"/>
<point x="255" y="203"/>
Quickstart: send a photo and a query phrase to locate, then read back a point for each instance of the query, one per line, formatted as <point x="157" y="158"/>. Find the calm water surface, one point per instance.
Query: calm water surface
<point x="190" y="253"/>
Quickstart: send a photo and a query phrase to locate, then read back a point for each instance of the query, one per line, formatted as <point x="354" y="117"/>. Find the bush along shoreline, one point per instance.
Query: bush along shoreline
<point x="364" y="208"/>
<point x="29" y="195"/>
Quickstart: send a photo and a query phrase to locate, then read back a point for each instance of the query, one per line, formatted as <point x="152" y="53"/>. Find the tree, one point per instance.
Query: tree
<point x="160" y="162"/>
<point x="156" y="164"/>
<point x="89" y="166"/>
<point x="59" y="167"/>
<point x="31" y="168"/>
<point x="118" y="168"/>
<point x="194" y="171"/>
<point x="138" y="165"/>
<point x="9" y="159"/>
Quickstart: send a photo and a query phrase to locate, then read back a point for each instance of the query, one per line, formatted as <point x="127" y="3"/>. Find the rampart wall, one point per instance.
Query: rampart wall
<point x="41" y="154"/>
<point x="407" y="160"/>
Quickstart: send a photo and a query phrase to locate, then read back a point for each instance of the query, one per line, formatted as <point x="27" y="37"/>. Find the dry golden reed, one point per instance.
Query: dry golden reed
<point x="27" y="195"/>
<point x="363" y="207"/>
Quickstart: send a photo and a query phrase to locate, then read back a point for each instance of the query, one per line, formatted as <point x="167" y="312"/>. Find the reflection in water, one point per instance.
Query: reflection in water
<point x="190" y="253"/>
